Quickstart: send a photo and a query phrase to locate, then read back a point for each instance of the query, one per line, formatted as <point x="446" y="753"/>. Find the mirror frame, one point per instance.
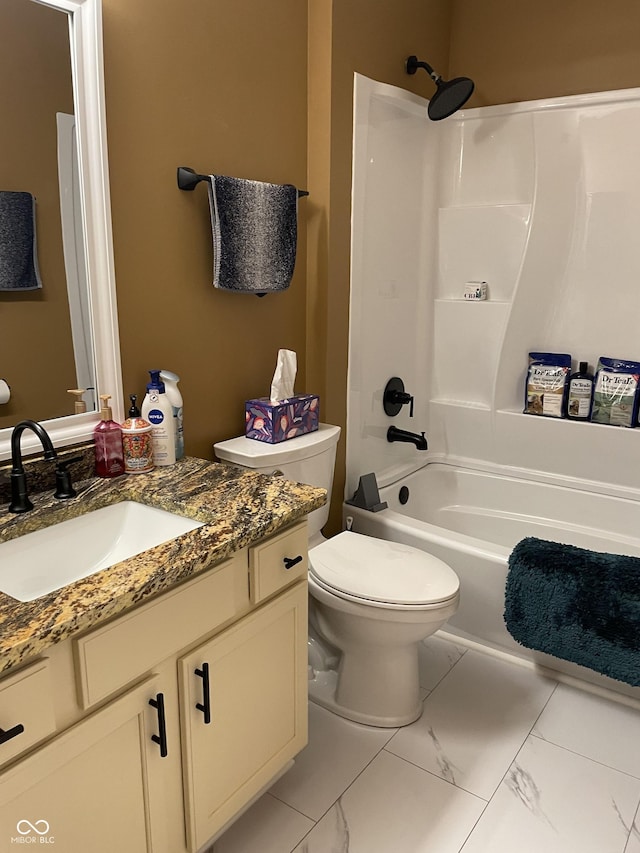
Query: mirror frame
<point x="85" y="40"/>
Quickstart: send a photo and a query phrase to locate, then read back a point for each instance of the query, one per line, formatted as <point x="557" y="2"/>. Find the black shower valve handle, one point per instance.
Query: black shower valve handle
<point x="395" y="397"/>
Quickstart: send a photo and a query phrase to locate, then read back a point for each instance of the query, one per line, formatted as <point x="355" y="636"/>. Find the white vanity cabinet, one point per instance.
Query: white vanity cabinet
<point x="161" y="725"/>
<point x="243" y="711"/>
<point x="86" y="789"/>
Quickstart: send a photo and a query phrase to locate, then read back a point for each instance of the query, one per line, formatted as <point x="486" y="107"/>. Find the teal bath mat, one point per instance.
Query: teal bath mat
<point x="579" y="605"/>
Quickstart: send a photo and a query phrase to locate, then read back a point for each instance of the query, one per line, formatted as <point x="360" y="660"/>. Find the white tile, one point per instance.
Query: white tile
<point x="633" y="844"/>
<point x="395" y="806"/>
<point x="555" y="801"/>
<point x="592" y="726"/>
<point x="435" y="658"/>
<point x="269" y="826"/>
<point x="474" y="722"/>
<point x="337" y="751"/>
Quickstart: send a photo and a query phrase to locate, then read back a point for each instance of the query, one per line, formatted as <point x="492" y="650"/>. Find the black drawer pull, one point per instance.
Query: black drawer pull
<point x="161" y="738"/>
<point x="205" y="707"/>
<point x="290" y="562"/>
<point x="11" y="733"/>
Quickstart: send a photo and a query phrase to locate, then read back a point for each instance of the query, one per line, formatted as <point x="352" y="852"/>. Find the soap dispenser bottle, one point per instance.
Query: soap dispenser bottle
<point x="107" y="437"/>
<point x="137" y="442"/>
<point x="79" y="405"/>
<point x="580" y="394"/>
<point x="157" y="409"/>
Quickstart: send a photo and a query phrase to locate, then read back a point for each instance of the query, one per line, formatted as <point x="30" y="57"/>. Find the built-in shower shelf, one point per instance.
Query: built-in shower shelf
<point x="449" y="299"/>
<point x="567" y="423"/>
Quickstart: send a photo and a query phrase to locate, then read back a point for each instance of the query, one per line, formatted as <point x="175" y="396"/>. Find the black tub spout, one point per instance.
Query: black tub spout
<point x="395" y="434"/>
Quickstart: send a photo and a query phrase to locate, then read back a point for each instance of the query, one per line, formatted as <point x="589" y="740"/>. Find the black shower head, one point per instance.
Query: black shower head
<point x="450" y="94"/>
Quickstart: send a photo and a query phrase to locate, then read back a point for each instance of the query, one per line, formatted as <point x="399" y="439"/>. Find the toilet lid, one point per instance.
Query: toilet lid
<point x="381" y="571"/>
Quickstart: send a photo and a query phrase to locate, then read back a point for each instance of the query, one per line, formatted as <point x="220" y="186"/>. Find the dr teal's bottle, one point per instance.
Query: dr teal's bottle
<point x="580" y="394"/>
<point x="107" y="437"/>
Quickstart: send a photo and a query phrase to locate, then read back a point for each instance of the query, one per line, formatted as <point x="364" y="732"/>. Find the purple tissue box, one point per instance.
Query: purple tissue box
<point x="275" y="422"/>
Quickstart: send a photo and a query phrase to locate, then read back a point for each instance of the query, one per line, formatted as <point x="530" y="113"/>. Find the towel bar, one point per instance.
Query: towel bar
<point x="188" y="180"/>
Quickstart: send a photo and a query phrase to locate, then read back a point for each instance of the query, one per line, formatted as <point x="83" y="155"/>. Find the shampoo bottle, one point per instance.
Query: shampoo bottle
<point x="175" y="398"/>
<point x="137" y="442"/>
<point x="157" y="409"/>
<point x="580" y="394"/>
<point x="107" y="437"/>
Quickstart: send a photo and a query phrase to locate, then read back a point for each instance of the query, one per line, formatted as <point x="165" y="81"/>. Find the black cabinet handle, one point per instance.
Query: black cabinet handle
<point x="161" y="738"/>
<point x="290" y="562"/>
<point x="205" y="707"/>
<point x="11" y="733"/>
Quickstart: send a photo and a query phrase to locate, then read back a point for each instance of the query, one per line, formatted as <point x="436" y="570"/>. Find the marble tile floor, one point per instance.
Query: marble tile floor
<point x="501" y="760"/>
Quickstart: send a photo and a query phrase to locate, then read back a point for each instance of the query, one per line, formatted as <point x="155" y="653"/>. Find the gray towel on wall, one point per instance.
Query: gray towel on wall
<point x="254" y="227"/>
<point x="18" y="254"/>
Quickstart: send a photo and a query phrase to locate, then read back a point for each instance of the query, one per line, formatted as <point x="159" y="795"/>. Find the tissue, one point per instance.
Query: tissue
<point x="282" y="415"/>
<point x="285" y="376"/>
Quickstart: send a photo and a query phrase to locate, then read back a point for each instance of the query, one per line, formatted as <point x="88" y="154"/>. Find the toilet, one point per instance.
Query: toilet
<point x="371" y="601"/>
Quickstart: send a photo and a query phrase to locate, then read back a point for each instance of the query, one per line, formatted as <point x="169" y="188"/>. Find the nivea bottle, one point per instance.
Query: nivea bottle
<point x="157" y="409"/>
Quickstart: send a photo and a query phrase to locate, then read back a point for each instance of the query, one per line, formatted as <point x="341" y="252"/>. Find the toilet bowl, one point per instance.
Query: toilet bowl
<point x="371" y="601"/>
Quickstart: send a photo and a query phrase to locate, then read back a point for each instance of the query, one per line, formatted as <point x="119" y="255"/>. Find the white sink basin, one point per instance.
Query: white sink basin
<point x="46" y="560"/>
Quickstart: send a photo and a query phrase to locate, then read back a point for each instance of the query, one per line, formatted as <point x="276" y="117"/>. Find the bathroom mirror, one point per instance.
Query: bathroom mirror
<point x="82" y="20"/>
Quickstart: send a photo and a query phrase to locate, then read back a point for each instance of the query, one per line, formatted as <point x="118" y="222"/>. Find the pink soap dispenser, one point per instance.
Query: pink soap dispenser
<point x="107" y="437"/>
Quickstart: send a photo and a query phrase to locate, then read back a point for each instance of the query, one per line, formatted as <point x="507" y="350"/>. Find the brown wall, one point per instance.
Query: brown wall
<point x="219" y="87"/>
<point x="36" y="353"/>
<point x="524" y="51"/>
<point x="223" y="87"/>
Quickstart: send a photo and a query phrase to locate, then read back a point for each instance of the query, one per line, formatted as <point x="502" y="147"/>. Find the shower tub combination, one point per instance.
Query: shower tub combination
<point x="472" y="519"/>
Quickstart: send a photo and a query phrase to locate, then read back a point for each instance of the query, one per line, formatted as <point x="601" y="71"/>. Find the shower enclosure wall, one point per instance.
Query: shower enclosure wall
<point x="542" y="201"/>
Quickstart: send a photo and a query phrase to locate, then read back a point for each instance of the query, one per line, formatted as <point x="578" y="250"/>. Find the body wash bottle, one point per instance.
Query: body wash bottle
<point x="580" y="394"/>
<point x="107" y="437"/>
<point x="175" y="398"/>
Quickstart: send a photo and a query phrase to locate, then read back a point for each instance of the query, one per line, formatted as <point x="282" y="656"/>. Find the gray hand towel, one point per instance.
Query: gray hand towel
<point x="254" y="227"/>
<point x="18" y="254"/>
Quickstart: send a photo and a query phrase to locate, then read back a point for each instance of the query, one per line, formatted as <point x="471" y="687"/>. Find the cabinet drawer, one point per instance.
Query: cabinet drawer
<point x="268" y="562"/>
<point x="26" y="709"/>
<point x="114" y="655"/>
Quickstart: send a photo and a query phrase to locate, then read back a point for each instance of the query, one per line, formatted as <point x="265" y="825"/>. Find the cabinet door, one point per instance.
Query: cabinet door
<point x="86" y="789"/>
<point x="256" y="674"/>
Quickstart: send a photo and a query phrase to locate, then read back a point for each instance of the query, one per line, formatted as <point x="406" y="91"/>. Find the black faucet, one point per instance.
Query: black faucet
<point x="19" y="498"/>
<point x="395" y="434"/>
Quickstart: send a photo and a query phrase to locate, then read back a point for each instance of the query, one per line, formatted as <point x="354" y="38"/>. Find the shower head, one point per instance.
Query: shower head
<point x="450" y="94"/>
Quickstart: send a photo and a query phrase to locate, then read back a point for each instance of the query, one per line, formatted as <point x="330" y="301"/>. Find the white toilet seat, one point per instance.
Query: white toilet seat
<point x="379" y="573"/>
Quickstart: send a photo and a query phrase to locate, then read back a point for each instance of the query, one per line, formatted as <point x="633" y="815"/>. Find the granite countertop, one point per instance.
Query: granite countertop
<point x="236" y="506"/>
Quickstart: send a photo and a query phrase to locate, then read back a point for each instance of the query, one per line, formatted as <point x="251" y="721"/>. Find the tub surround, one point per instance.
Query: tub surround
<point x="237" y="507"/>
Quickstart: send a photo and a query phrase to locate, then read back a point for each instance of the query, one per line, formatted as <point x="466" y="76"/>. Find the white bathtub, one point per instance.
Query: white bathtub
<point x="471" y="519"/>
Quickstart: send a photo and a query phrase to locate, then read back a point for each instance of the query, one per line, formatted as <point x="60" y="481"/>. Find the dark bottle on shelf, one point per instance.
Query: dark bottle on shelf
<point x="580" y="394"/>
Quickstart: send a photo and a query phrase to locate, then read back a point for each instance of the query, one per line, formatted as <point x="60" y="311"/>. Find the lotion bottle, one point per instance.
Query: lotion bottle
<point x="175" y="398"/>
<point x="580" y="394"/>
<point x="107" y="437"/>
<point x="157" y="409"/>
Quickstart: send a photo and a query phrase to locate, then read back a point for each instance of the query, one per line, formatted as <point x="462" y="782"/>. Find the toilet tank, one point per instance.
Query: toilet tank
<point x="306" y="459"/>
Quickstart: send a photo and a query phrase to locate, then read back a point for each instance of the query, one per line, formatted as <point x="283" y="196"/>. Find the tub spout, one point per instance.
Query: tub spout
<point x="395" y="434"/>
